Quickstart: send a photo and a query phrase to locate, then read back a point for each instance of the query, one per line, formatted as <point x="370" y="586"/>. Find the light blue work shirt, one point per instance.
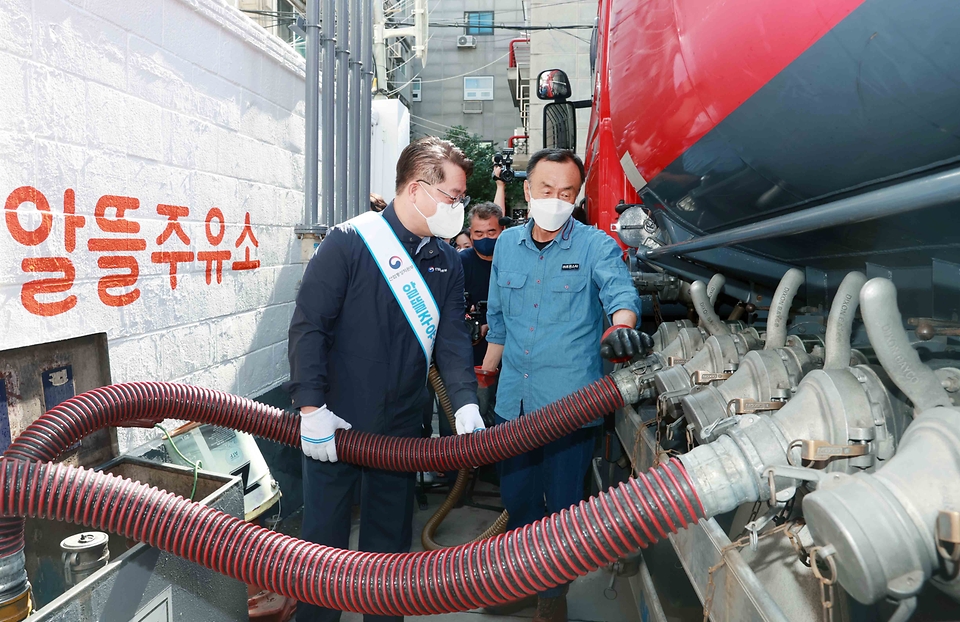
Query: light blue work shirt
<point x="546" y="308"/>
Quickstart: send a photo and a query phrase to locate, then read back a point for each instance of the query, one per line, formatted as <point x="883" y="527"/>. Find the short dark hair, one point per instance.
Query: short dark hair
<point x="424" y="158"/>
<point x="485" y="210"/>
<point x="556" y="155"/>
<point x="377" y="202"/>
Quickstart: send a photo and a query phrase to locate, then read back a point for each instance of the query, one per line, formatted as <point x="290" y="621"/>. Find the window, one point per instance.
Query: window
<point x="478" y="88"/>
<point x="478" y="23"/>
<point x="415" y="90"/>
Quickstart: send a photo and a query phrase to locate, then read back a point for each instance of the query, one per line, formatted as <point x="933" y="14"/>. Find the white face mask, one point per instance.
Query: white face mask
<point x="447" y="221"/>
<point x="550" y="214"/>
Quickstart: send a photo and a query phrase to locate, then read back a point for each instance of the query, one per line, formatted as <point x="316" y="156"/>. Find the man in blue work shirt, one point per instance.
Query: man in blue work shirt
<point x="360" y="344"/>
<point x="553" y="281"/>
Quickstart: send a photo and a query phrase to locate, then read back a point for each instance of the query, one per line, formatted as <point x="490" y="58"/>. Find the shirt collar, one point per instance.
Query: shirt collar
<point x="564" y="239"/>
<point x="409" y="240"/>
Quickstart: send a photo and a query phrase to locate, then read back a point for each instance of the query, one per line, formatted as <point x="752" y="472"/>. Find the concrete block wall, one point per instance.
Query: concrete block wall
<point x="552" y="49"/>
<point x="184" y="103"/>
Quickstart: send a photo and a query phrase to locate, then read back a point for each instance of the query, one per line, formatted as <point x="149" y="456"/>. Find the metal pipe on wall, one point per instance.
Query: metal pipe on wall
<point x="366" y="94"/>
<point x="327" y="112"/>
<point x="931" y="191"/>
<point x="355" y="200"/>
<point x="343" y="96"/>
<point x="311" y="110"/>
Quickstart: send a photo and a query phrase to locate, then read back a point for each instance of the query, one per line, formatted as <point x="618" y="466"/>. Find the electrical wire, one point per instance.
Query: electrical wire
<point x="196" y="465"/>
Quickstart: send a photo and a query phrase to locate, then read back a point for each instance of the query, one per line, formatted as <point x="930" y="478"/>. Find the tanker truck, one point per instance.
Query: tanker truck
<point x="783" y="177"/>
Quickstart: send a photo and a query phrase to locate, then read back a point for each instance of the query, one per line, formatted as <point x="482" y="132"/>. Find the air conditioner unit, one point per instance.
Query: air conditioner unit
<point x="466" y="41"/>
<point x="395" y="50"/>
<point x="472" y="107"/>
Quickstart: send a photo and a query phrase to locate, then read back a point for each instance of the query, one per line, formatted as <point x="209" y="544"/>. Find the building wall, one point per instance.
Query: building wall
<point x="569" y="51"/>
<point x="441" y="104"/>
<point x="148" y="105"/>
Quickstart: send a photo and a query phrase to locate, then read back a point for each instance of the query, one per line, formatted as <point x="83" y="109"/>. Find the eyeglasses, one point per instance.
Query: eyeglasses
<point x="455" y="201"/>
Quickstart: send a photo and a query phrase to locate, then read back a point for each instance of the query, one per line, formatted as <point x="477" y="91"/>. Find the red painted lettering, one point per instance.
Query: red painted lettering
<point x="28" y="194"/>
<point x="57" y="285"/>
<point x="116" y="281"/>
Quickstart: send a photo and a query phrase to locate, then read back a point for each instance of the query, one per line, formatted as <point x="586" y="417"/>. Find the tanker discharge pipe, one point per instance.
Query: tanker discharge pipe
<point x="779" y="314"/>
<point x="704" y="308"/>
<point x="840" y="321"/>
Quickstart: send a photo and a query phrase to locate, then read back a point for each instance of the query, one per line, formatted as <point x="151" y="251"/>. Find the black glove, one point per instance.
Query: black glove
<point x="620" y="344"/>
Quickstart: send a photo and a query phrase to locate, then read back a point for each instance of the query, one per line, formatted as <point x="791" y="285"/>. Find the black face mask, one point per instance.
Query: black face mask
<point x="485" y="246"/>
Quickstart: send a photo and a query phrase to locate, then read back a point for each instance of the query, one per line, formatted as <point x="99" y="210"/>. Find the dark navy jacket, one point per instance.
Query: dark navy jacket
<point x="351" y="346"/>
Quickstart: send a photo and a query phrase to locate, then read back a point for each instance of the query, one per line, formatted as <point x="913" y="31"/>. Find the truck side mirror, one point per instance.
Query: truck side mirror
<point x="554" y="85"/>
<point x="560" y="126"/>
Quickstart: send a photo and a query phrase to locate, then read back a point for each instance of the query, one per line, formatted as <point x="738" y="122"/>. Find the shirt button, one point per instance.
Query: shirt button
<point x="508" y="282"/>
<point x="541" y="257"/>
<point x="566" y="287"/>
<point x="531" y="328"/>
<point x="526" y="351"/>
<point x="526" y="375"/>
<point x="538" y="281"/>
<point x="535" y="305"/>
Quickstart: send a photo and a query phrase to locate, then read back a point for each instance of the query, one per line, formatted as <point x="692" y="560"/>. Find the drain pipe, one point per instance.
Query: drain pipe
<point x="840" y="321"/>
<point x="366" y="89"/>
<point x="779" y="313"/>
<point x="354" y="203"/>
<point x="327" y="117"/>
<point x="312" y="112"/>
<point x="342" y="131"/>
<point x="708" y="317"/>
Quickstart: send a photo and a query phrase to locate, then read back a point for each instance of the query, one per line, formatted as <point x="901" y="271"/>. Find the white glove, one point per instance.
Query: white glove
<point x="316" y="433"/>
<point x="469" y="419"/>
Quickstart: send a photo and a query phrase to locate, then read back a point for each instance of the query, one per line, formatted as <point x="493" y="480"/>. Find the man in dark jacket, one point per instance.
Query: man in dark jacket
<point x="359" y="355"/>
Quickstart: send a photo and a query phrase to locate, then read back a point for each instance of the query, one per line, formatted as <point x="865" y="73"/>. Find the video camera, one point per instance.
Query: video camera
<point x="504" y="159"/>
<point x="475" y="317"/>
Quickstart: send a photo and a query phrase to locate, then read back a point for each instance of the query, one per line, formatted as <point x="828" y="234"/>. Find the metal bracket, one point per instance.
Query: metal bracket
<point x="743" y="406"/>
<point x="948" y="540"/>
<point x="706" y="377"/>
<point x="672" y="360"/>
<point x="821" y="451"/>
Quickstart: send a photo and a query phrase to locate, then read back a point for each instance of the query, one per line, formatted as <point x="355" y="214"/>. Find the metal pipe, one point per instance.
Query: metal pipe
<point x="354" y="204"/>
<point x="311" y="111"/>
<point x="342" y="131"/>
<point x="327" y="112"/>
<point x="779" y="312"/>
<point x="366" y="90"/>
<point x="714" y="287"/>
<point x="939" y="189"/>
<point x="881" y="317"/>
<point x="840" y="322"/>
<point x="708" y="317"/>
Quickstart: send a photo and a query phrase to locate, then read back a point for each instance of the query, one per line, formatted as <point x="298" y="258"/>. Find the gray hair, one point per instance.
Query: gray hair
<point x="485" y="210"/>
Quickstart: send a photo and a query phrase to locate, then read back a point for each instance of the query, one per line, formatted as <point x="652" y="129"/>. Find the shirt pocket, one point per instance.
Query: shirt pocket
<point x="565" y="293"/>
<point x="511" y="292"/>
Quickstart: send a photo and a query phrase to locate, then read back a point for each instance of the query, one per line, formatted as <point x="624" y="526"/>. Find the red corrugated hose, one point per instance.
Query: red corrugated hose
<point x="545" y="554"/>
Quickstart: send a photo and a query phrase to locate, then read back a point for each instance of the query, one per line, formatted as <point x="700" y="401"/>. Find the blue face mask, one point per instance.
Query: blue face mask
<point x="484" y="246"/>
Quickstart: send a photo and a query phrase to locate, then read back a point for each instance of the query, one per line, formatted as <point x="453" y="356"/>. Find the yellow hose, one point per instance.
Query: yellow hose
<point x="429" y="529"/>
